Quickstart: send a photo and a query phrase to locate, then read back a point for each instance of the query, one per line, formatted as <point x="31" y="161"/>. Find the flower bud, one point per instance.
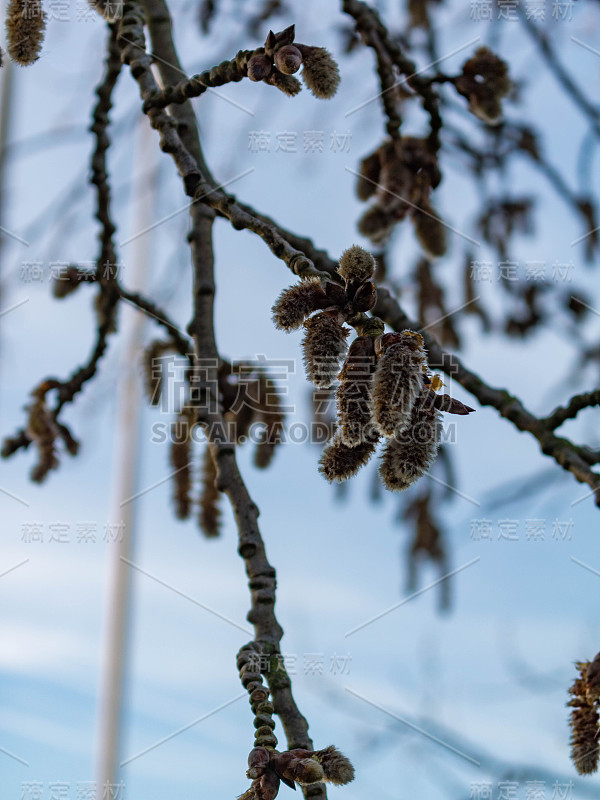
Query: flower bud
<point x="288" y="59"/>
<point x="294" y="769"/>
<point x="356" y="265"/>
<point x="259" y="67"/>
<point x="336" y="295"/>
<point x="257" y="762"/>
<point x="268" y="786"/>
<point x="365" y="297"/>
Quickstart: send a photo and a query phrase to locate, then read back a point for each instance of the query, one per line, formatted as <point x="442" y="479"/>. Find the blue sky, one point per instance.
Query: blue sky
<point x="492" y="674"/>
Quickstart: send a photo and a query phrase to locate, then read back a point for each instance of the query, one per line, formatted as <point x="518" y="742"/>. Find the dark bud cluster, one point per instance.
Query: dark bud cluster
<point x="280" y="58"/>
<point x="269" y="769"/>
<point x="585" y="730"/>
<point x="399" y="177"/>
<point x="484" y="81"/>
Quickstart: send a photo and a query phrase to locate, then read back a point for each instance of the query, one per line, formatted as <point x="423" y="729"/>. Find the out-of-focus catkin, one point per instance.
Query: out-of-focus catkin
<point x="181" y="454"/>
<point x="25" y="26"/>
<point x="430" y="231"/>
<point x="485" y="82"/>
<point x="271" y="416"/>
<point x="210" y="512"/>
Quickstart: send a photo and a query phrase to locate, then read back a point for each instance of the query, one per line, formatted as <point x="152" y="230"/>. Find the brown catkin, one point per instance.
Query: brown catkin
<point x="369" y="173"/>
<point x="153" y="369"/>
<point x="41" y="429"/>
<point x="410" y="454"/>
<point x="324" y="346"/>
<point x="210" y="513"/>
<point x="298" y="302"/>
<point x="485" y="81"/>
<point x="430" y="231"/>
<point x="25" y="25"/>
<point x="180" y="461"/>
<point x="398" y="381"/>
<point x="337" y="768"/>
<point x="339" y="462"/>
<point x="353" y="396"/>
<point x="66" y="282"/>
<point x="376" y="224"/>
<point x="585" y="747"/>
<point x="268" y="412"/>
<point x="320" y="73"/>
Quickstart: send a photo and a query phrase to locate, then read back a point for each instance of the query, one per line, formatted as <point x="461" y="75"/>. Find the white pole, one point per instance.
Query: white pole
<point x="135" y="273"/>
<point x="6" y="87"/>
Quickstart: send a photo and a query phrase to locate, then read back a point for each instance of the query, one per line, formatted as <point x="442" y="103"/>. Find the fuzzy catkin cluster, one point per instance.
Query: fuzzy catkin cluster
<point x="25" y="27"/>
<point x="281" y="57"/>
<point x="399" y="176"/>
<point x="397" y="406"/>
<point x="393" y="396"/>
<point x="585" y="729"/>
<point x="385" y="388"/>
<point x="324" y="345"/>
<point x="484" y="81"/>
